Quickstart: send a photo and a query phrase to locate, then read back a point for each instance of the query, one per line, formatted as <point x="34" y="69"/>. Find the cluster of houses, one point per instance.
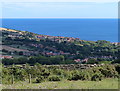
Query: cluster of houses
<point x="104" y="57"/>
<point x="18" y="34"/>
<point x="36" y="45"/>
<point x="86" y="59"/>
<point x="81" y="61"/>
<point x="57" y="38"/>
<point x="12" y="33"/>
<point x="116" y="43"/>
<point x="5" y="56"/>
<point x="54" y="53"/>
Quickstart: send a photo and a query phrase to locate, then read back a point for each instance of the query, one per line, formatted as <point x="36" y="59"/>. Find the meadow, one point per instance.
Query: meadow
<point x="109" y="83"/>
<point x="41" y="77"/>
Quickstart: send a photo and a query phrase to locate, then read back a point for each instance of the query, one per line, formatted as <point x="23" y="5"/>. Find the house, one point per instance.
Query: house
<point x="4" y="56"/>
<point x="77" y="60"/>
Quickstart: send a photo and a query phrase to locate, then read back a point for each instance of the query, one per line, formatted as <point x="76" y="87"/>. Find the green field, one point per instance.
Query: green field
<point x="64" y="84"/>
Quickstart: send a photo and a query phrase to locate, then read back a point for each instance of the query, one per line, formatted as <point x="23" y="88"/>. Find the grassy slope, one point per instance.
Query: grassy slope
<point x="105" y="84"/>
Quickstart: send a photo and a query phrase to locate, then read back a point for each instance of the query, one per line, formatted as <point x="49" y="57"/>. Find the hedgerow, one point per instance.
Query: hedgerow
<point x="40" y="73"/>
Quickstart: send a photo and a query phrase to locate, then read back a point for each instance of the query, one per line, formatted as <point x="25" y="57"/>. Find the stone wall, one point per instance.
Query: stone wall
<point x="74" y="66"/>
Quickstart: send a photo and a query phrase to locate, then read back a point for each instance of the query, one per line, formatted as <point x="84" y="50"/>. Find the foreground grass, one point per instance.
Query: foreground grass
<point x="105" y="84"/>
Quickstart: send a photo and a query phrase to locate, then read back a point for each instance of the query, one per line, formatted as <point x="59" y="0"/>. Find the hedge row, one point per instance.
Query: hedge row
<point x="38" y="74"/>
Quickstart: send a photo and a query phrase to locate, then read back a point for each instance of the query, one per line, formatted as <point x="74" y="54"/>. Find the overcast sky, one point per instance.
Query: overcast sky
<point x="59" y="9"/>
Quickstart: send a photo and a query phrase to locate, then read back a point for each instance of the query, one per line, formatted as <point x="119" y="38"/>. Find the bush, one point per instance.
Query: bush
<point x="117" y="68"/>
<point x="69" y="77"/>
<point x="45" y="73"/>
<point x="74" y="75"/>
<point x="39" y="79"/>
<point x="54" y="78"/>
<point x="116" y="61"/>
<point x="58" y="71"/>
<point x="92" y="61"/>
<point x="85" y="75"/>
<point x="79" y="75"/>
<point x="97" y="77"/>
<point x="109" y="71"/>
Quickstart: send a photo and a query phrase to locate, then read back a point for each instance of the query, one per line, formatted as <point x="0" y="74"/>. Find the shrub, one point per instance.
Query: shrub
<point x="117" y="67"/>
<point x="116" y="61"/>
<point x="74" y="75"/>
<point x="39" y="79"/>
<point x="97" y="77"/>
<point x="54" y="78"/>
<point x="7" y="79"/>
<point x="85" y="75"/>
<point x="79" y="75"/>
<point x="69" y="77"/>
<point x="45" y="73"/>
<point x="58" y="71"/>
<point x="109" y="71"/>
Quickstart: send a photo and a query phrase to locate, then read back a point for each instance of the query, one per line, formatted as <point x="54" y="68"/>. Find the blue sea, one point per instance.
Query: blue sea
<point x="85" y="29"/>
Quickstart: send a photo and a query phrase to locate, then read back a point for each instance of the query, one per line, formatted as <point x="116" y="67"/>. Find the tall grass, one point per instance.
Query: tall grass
<point x="108" y="83"/>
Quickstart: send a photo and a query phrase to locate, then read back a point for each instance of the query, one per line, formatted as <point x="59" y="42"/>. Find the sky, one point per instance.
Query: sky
<point x="59" y="9"/>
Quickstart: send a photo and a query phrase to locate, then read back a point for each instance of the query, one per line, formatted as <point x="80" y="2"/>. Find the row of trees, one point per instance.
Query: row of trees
<point x="39" y="73"/>
<point x="38" y="59"/>
<point x="54" y="60"/>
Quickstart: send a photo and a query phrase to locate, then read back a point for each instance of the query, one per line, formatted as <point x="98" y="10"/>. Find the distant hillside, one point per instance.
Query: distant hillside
<point x="18" y="43"/>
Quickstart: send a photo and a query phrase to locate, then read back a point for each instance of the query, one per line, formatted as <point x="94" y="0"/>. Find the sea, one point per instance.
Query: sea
<point x="85" y="29"/>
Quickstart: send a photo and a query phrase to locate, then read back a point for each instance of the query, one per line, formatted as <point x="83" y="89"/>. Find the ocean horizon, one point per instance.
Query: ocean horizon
<point x="85" y="29"/>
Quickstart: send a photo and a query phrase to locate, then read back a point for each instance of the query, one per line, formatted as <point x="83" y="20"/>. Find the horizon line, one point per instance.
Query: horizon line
<point x="59" y="18"/>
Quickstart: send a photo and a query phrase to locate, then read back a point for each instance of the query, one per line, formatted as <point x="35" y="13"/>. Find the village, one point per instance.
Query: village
<point x="9" y="34"/>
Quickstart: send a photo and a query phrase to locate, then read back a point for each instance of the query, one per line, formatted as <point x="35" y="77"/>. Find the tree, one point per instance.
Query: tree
<point x="92" y="61"/>
<point x="116" y="61"/>
<point x="21" y="53"/>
